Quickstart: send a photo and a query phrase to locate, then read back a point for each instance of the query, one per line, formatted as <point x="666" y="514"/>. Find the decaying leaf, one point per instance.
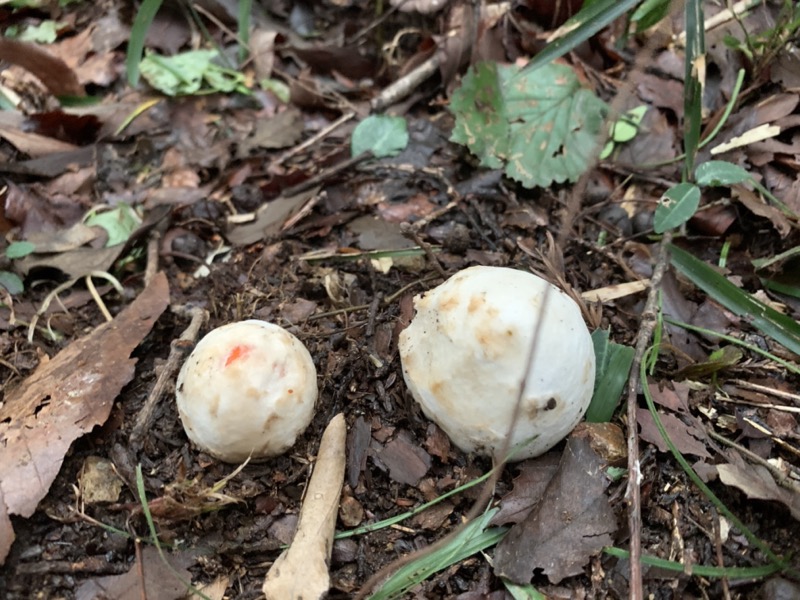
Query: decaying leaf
<point x="757" y="482"/>
<point x="66" y="397"/>
<point x="150" y="578"/>
<point x="571" y="523"/>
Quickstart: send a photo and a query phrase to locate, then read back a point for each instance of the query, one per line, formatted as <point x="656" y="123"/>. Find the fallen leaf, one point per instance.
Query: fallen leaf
<point x="529" y="487"/>
<point x="75" y="263"/>
<point x="269" y="218"/>
<point x="280" y="131"/>
<point x="66" y="397"/>
<point x="756" y="481"/>
<point x="572" y="522"/>
<point x="686" y="438"/>
<point x="51" y="71"/>
<point x="151" y="578"/>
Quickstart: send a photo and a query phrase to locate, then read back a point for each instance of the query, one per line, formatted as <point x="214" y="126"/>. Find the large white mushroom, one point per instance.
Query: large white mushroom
<point x="247" y="390"/>
<point x="465" y="355"/>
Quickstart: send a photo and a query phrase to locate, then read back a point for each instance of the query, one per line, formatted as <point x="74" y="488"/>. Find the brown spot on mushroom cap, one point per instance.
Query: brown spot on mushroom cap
<point x="449" y="302"/>
<point x="476" y="302"/>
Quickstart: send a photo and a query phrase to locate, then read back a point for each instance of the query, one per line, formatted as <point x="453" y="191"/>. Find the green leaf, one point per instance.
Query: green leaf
<point x="11" y="282"/>
<point x="715" y="173"/>
<point x="44" y="33"/>
<point x="693" y="89"/>
<point x="589" y="20"/>
<point x="677" y="206"/>
<point x="781" y="328"/>
<point x="649" y="13"/>
<point x="190" y="73"/>
<point x="119" y="222"/>
<point x="523" y="592"/>
<point x="542" y="125"/>
<point x="481" y="121"/>
<point x="473" y="538"/>
<point x="626" y="128"/>
<point x="613" y="365"/>
<point x="383" y="135"/>
<point x="19" y="249"/>
<point x="144" y="18"/>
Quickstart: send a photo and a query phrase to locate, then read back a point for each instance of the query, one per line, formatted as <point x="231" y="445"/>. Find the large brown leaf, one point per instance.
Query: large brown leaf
<point x="65" y="398"/>
<point x="571" y="523"/>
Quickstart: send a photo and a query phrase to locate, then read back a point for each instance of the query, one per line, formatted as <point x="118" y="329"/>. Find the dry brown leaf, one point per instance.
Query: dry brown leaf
<point x="51" y="71"/>
<point x="572" y="522"/>
<point x="66" y="397"/>
<point x="686" y="438"/>
<point x="757" y="482"/>
<point x="149" y="578"/>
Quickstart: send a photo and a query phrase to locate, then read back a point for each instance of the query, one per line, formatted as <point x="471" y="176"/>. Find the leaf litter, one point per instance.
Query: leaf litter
<point x="188" y="156"/>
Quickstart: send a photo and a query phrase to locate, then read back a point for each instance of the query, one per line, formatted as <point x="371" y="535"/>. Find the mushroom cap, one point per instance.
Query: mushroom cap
<point x="247" y="390"/>
<point x="465" y="355"/>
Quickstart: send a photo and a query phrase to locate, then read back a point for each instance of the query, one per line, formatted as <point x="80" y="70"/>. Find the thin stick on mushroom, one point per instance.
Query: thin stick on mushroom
<point x="302" y="570"/>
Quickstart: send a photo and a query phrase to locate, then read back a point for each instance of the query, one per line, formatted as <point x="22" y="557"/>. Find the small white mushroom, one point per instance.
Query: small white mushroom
<point x="247" y="390"/>
<point x="465" y="354"/>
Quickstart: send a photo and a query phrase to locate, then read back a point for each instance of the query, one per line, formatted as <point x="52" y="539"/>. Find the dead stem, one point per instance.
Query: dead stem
<point x="178" y="349"/>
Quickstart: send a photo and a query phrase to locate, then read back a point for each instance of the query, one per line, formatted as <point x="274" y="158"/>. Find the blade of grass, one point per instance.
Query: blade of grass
<point x="729" y="338"/>
<point x="693" y="87"/>
<point x="700" y="570"/>
<point x="151" y="526"/>
<point x="613" y="366"/>
<point x="701" y="485"/>
<point x="245" y="10"/>
<point x="473" y="538"/>
<point x="144" y="18"/>
<point x="580" y="28"/>
<point x="781" y="328"/>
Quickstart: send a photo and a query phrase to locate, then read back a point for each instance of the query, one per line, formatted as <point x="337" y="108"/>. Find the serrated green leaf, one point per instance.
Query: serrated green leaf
<point x="716" y="173"/>
<point x="11" y="282"/>
<point x="781" y="328"/>
<point x="678" y="205"/>
<point x="542" y="125"/>
<point x="19" y="249"/>
<point x="481" y="121"/>
<point x="383" y="135"/>
<point x="119" y="223"/>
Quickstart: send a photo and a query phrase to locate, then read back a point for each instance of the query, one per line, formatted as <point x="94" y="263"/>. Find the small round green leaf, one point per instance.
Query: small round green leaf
<point x="678" y="205"/>
<point x="716" y="173"/>
<point x="628" y="126"/>
<point x="384" y="136"/>
<point x="19" y="249"/>
<point x="11" y="282"/>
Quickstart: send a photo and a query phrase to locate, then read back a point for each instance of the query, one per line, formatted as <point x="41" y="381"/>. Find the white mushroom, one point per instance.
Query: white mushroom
<point x="247" y="390"/>
<point x="465" y="354"/>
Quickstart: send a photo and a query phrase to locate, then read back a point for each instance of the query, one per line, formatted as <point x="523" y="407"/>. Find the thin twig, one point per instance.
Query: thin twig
<point x="315" y="138"/>
<point x="177" y="351"/>
<point x="647" y="325"/>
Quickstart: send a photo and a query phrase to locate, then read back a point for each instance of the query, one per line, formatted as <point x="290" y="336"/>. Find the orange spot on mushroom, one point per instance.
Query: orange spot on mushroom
<point x="239" y="351"/>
